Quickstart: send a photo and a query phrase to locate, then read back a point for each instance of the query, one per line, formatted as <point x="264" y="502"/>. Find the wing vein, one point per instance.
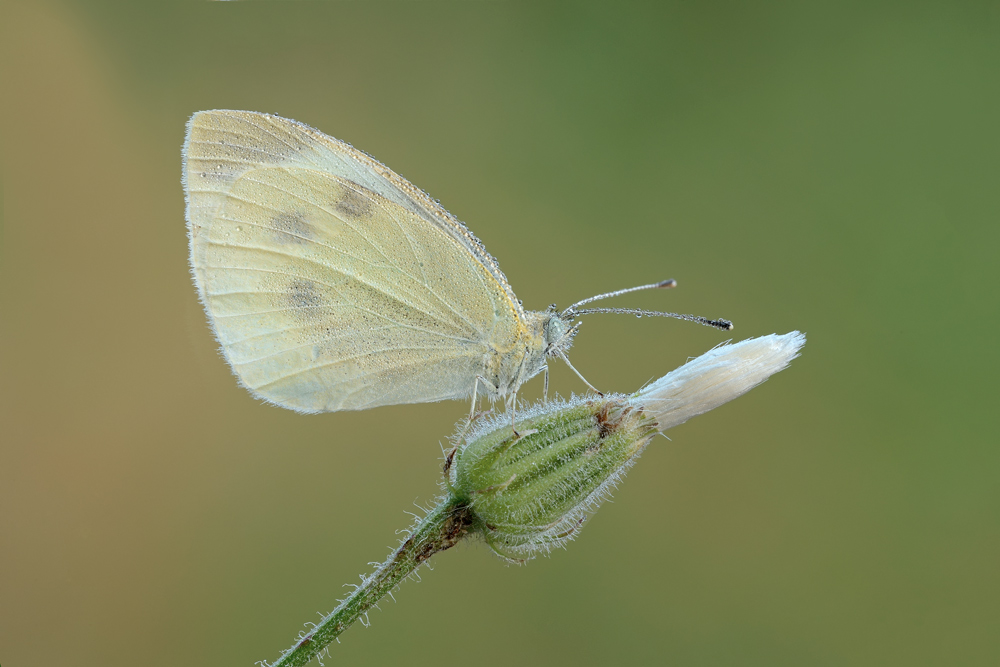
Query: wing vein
<point x="359" y="356"/>
<point x="405" y="299"/>
<point x="276" y="157"/>
<point x="424" y="282"/>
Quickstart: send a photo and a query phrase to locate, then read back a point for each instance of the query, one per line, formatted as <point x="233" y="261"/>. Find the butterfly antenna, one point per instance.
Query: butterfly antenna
<point x="663" y="284"/>
<point x="724" y="325"/>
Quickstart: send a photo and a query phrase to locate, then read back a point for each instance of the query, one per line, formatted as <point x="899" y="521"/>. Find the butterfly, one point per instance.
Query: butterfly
<point x="332" y="283"/>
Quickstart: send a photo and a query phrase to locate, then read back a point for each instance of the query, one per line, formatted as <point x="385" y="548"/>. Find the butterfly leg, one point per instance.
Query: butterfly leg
<point x="475" y="390"/>
<point x="512" y="408"/>
<point x="545" y="385"/>
<point x="592" y="387"/>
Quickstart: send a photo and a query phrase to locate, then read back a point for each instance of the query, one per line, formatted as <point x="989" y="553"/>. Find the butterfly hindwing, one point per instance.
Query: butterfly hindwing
<point x="325" y="294"/>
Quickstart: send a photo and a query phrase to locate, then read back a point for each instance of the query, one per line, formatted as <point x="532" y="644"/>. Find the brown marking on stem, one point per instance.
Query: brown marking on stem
<point x="452" y="531"/>
<point x="448" y="459"/>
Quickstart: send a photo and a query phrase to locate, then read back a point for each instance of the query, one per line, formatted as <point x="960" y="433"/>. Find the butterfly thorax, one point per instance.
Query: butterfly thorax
<point x="544" y="334"/>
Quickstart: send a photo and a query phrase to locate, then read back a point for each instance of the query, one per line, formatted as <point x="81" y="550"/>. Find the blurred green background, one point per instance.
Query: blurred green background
<point x="828" y="167"/>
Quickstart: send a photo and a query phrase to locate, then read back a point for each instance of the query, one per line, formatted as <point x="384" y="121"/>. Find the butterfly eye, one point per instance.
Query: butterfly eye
<point x="555" y="329"/>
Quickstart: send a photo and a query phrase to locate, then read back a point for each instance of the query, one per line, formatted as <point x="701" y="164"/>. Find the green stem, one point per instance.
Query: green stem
<point x="441" y="529"/>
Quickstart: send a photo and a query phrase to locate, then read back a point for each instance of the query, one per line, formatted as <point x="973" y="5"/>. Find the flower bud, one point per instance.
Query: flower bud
<point x="530" y="492"/>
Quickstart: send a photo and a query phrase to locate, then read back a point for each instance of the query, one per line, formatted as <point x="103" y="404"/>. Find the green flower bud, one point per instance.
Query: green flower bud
<point x="530" y="492"/>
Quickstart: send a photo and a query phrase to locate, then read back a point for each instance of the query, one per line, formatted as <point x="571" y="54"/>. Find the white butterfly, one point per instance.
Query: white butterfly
<point x="333" y="283"/>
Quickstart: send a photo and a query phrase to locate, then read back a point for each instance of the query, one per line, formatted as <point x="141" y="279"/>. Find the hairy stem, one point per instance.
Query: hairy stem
<point x="441" y="529"/>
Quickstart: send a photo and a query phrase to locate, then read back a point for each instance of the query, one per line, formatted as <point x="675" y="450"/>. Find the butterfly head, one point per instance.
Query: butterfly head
<point x="559" y="332"/>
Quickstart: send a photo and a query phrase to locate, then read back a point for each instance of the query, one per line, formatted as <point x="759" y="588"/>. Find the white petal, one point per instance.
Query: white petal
<point x="716" y="377"/>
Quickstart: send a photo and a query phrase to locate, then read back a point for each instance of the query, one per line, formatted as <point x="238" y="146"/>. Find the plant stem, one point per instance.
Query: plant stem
<point x="441" y="529"/>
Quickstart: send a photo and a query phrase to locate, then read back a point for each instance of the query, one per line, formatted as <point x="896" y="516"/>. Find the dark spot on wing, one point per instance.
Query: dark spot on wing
<point x="307" y="302"/>
<point x="352" y="205"/>
<point x="304" y="299"/>
<point x="292" y="228"/>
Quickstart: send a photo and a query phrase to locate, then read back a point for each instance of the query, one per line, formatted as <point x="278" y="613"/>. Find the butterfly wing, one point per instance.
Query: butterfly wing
<point x="331" y="282"/>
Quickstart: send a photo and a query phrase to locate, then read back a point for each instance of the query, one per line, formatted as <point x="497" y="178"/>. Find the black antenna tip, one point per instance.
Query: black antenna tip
<point x="663" y="284"/>
<point x="725" y="325"/>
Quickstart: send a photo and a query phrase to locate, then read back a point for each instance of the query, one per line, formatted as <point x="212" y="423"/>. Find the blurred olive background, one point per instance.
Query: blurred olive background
<point x="828" y="167"/>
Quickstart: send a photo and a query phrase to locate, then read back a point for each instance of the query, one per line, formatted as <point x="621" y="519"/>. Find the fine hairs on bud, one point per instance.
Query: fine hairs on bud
<point x="530" y="492"/>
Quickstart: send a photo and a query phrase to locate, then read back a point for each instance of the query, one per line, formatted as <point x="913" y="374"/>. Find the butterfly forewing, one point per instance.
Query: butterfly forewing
<point x="325" y="293"/>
